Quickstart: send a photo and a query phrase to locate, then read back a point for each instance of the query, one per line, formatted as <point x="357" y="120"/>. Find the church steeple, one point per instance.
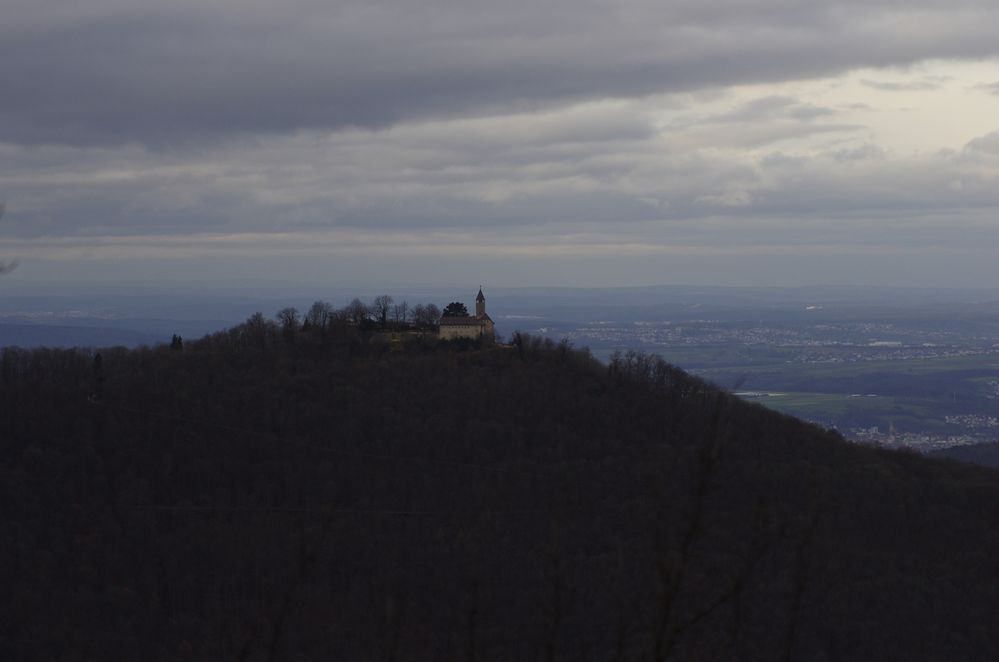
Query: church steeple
<point x="480" y="304"/>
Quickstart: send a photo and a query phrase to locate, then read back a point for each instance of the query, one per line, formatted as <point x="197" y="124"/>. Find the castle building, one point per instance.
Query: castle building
<point x="475" y="327"/>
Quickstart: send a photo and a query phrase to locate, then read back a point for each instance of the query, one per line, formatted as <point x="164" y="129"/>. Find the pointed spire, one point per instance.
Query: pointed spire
<point x="480" y="304"/>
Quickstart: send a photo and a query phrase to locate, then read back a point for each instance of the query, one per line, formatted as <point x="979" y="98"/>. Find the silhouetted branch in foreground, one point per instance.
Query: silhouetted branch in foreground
<point x="802" y="562"/>
<point x="674" y="567"/>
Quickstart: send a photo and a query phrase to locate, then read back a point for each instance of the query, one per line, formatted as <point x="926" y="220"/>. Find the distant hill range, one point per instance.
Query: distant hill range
<point x="47" y="335"/>
<point x="268" y="493"/>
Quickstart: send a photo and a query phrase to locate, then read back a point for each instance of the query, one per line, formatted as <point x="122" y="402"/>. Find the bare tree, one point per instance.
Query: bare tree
<point x="419" y="313"/>
<point x="319" y="314"/>
<point x="434" y="314"/>
<point x="356" y="312"/>
<point x="381" y="307"/>
<point x="338" y="316"/>
<point x="258" y="331"/>
<point x="288" y="317"/>
<point x="400" y="312"/>
<point x="426" y="315"/>
<point x="675" y="565"/>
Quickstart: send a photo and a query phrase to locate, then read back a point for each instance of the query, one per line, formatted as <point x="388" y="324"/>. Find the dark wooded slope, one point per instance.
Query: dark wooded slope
<point x="308" y="496"/>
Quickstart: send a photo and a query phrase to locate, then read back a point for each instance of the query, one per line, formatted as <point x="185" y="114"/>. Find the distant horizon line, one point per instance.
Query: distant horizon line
<point x="113" y="293"/>
<point x="268" y="284"/>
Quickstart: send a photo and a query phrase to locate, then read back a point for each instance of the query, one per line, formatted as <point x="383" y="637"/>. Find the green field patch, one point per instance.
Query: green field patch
<point x="831" y="404"/>
<point x="858" y="368"/>
<point x="844" y="408"/>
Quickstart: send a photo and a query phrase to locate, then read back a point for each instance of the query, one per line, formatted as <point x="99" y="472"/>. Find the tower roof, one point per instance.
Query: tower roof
<point x="480" y="297"/>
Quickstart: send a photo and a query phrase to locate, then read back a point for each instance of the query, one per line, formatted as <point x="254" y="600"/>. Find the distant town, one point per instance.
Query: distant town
<point x="920" y="377"/>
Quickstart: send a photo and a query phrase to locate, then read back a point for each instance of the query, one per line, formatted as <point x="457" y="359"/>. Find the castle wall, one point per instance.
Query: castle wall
<point x="473" y="331"/>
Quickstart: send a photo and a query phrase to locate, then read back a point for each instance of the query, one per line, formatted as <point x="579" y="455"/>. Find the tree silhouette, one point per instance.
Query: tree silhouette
<point x="455" y="309"/>
<point x="400" y="312"/>
<point x="288" y="318"/>
<point x="426" y="316"/>
<point x="356" y="312"/>
<point x="319" y="314"/>
<point x="381" y="307"/>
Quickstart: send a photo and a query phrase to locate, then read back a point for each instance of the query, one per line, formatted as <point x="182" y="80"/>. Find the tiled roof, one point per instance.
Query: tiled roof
<point x="462" y="320"/>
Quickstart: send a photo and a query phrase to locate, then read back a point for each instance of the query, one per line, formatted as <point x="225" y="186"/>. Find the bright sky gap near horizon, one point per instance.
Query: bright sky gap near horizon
<point x="761" y="142"/>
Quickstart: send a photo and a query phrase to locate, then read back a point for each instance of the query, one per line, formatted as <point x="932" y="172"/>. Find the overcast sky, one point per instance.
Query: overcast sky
<point x="752" y="142"/>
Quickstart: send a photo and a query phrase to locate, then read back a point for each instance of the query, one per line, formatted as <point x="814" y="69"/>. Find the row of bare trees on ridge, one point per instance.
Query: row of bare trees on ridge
<point x="382" y="313"/>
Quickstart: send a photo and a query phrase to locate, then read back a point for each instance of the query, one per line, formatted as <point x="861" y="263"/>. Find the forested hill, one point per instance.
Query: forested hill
<point x="262" y="494"/>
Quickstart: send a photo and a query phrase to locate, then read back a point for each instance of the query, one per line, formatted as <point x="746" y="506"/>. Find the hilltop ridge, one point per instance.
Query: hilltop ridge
<point x="266" y="493"/>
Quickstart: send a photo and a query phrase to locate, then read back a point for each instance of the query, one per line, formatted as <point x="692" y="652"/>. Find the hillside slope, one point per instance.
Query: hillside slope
<point x="986" y="455"/>
<point x="265" y="496"/>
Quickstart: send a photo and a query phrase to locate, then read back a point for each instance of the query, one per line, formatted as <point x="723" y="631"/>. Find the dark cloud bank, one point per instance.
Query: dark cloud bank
<point x="111" y="72"/>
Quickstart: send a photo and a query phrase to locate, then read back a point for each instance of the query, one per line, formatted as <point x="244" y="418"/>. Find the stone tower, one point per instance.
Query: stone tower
<point x="480" y="304"/>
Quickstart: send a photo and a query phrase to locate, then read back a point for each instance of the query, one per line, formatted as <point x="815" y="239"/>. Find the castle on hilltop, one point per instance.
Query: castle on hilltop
<point x="474" y="327"/>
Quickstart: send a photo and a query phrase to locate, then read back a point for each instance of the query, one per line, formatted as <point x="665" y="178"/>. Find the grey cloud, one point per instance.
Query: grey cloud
<point x="382" y="182"/>
<point x="864" y="152"/>
<point x="988" y="144"/>
<point x="773" y="107"/>
<point x="909" y="86"/>
<point x="187" y="72"/>
<point x="773" y="170"/>
<point x="807" y="112"/>
<point x="873" y="189"/>
<point x="780" y="160"/>
<point x="754" y="136"/>
<point x="798" y="163"/>
<point x="990" y="88"/>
